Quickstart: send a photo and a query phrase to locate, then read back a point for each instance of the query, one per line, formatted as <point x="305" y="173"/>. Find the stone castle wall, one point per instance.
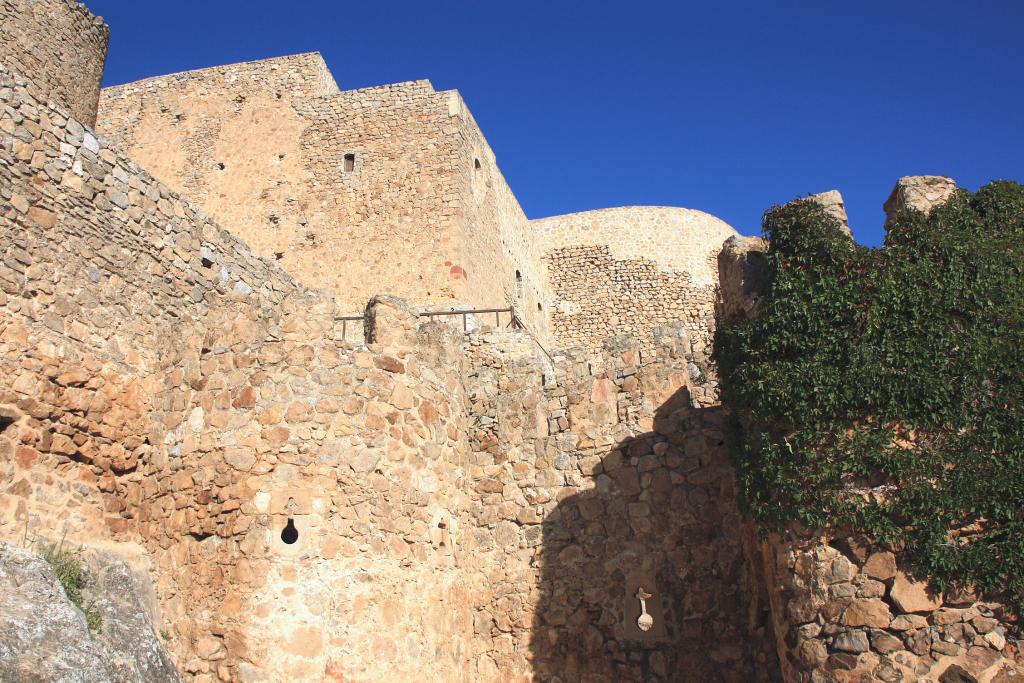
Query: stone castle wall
<point x="464" y="509"/>
<point x="394" y="188"/>
<point x="61" y="47"/>
<point x="630" y="270"/>
<point x="164" y="386"/>
<point x="847" y="609"/>
<point x="359" y="191"/>
<point x="592" y="481"/>
<point x="421" y="503"/>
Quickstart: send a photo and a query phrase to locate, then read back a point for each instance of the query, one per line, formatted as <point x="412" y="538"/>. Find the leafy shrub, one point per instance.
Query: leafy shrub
<point x="883" y="389"/>
<point x="71" y="572"/>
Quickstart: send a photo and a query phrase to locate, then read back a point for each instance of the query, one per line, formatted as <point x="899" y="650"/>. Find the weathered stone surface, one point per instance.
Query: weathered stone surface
<point x="743" y="275"/>
<point x="62" y="46"/>
<point x="911" y="595"/>
<point x="44" y="637"/>
<point x="956" y="674"/>
<point x="873" y="613"/>
<point x="922" y="193"/>
<point x="881" y="566"/>
<point x="132" y="649"/>
<point x="832" y="202"/>
<point x="852" y="641"/>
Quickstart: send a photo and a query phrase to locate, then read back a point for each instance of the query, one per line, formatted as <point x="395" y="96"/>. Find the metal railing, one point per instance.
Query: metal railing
<point x="344" y="323"/>
<point x="514" y="321"/>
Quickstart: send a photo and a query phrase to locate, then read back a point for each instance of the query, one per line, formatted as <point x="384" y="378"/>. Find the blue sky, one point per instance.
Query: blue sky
<point x="727" y="107"/>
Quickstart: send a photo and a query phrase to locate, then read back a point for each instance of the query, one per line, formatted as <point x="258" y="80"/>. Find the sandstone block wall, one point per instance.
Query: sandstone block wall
<point x="386" y="189"/>
<point x="590" y="483"/>
<point x="629" y="270"/>
<point x="161" y="384"/>
<point x="60" y="47"/>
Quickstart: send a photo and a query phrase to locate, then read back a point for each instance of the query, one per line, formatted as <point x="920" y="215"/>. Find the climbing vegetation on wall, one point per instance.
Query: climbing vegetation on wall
<point x="883" y="389"/>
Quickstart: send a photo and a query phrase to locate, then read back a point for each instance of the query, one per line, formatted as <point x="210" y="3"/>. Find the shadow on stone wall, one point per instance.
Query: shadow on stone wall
<point x="662" y="516"/>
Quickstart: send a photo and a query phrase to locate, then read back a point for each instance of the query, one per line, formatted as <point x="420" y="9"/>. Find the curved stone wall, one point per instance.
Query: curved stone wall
<point x="629" y="270"/>
<point x="60" y="47"/>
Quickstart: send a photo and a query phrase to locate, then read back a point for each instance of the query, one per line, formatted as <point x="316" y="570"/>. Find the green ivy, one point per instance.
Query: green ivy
<point x="883" y="389"/>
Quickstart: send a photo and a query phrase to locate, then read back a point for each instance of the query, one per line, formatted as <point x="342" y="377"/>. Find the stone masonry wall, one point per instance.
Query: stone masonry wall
<point x="846" y="609"/>
<point x="162" y="385"/>
<point x="598" y="295"/>
<point x="630" y="270"/>
<point x="394" y="214"/>
<point x="497" y="237"/>
<point x="588" y="484"/>
<point x="61" y="47"/>
<point x="266" y="154"/>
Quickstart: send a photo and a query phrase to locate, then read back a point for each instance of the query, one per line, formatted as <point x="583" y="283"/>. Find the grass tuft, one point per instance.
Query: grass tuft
<point x="71" y="572"/>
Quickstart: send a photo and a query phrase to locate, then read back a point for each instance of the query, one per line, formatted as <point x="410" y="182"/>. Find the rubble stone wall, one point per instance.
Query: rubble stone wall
<point x="60" y="47"/>
<point x="361" y="191"/>
<point x="590" y="482"/>
<point x="846" y="609"/>
<point x="162" y="384"/>
<point x="628" y="271"/>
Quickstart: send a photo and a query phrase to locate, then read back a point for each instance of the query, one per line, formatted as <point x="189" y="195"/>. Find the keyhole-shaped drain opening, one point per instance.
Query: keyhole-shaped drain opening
<point x="289" y="534"/>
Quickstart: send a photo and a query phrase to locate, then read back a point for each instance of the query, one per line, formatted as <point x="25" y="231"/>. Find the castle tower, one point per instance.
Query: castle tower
<point x="61" y="47"/>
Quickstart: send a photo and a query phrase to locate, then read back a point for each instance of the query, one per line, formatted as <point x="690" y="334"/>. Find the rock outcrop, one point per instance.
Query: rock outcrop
<point x="44" y="637"/>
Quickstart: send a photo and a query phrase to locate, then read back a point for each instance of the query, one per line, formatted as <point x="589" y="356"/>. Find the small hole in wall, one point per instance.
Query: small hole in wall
<point x="519" y="285"/>
<point x="444" y="533"/>
<point x="206" y="262"/>
<point x="289" y="534"/>
<point x="539" y="307"/>
<point x="350" y="162"/>
<point x="278" y="255"/>
<point x="5" y="422"/>
<point x="220" y="165"/>
<point x="476" y="163"/>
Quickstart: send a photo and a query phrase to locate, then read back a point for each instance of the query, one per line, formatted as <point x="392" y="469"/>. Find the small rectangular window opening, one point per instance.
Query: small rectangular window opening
<point x="350" y="162"/>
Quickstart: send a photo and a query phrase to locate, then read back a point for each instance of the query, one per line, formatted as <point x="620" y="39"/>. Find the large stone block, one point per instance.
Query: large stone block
<point x="920" y="192"/>
<point x="743" y="276"/>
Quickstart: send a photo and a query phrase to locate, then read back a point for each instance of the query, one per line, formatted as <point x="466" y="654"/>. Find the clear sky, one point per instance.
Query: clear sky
<point x="727" y="107"/>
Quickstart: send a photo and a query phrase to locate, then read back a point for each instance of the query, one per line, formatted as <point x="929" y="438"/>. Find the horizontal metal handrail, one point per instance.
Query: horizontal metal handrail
<point x="514" y="321"/>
